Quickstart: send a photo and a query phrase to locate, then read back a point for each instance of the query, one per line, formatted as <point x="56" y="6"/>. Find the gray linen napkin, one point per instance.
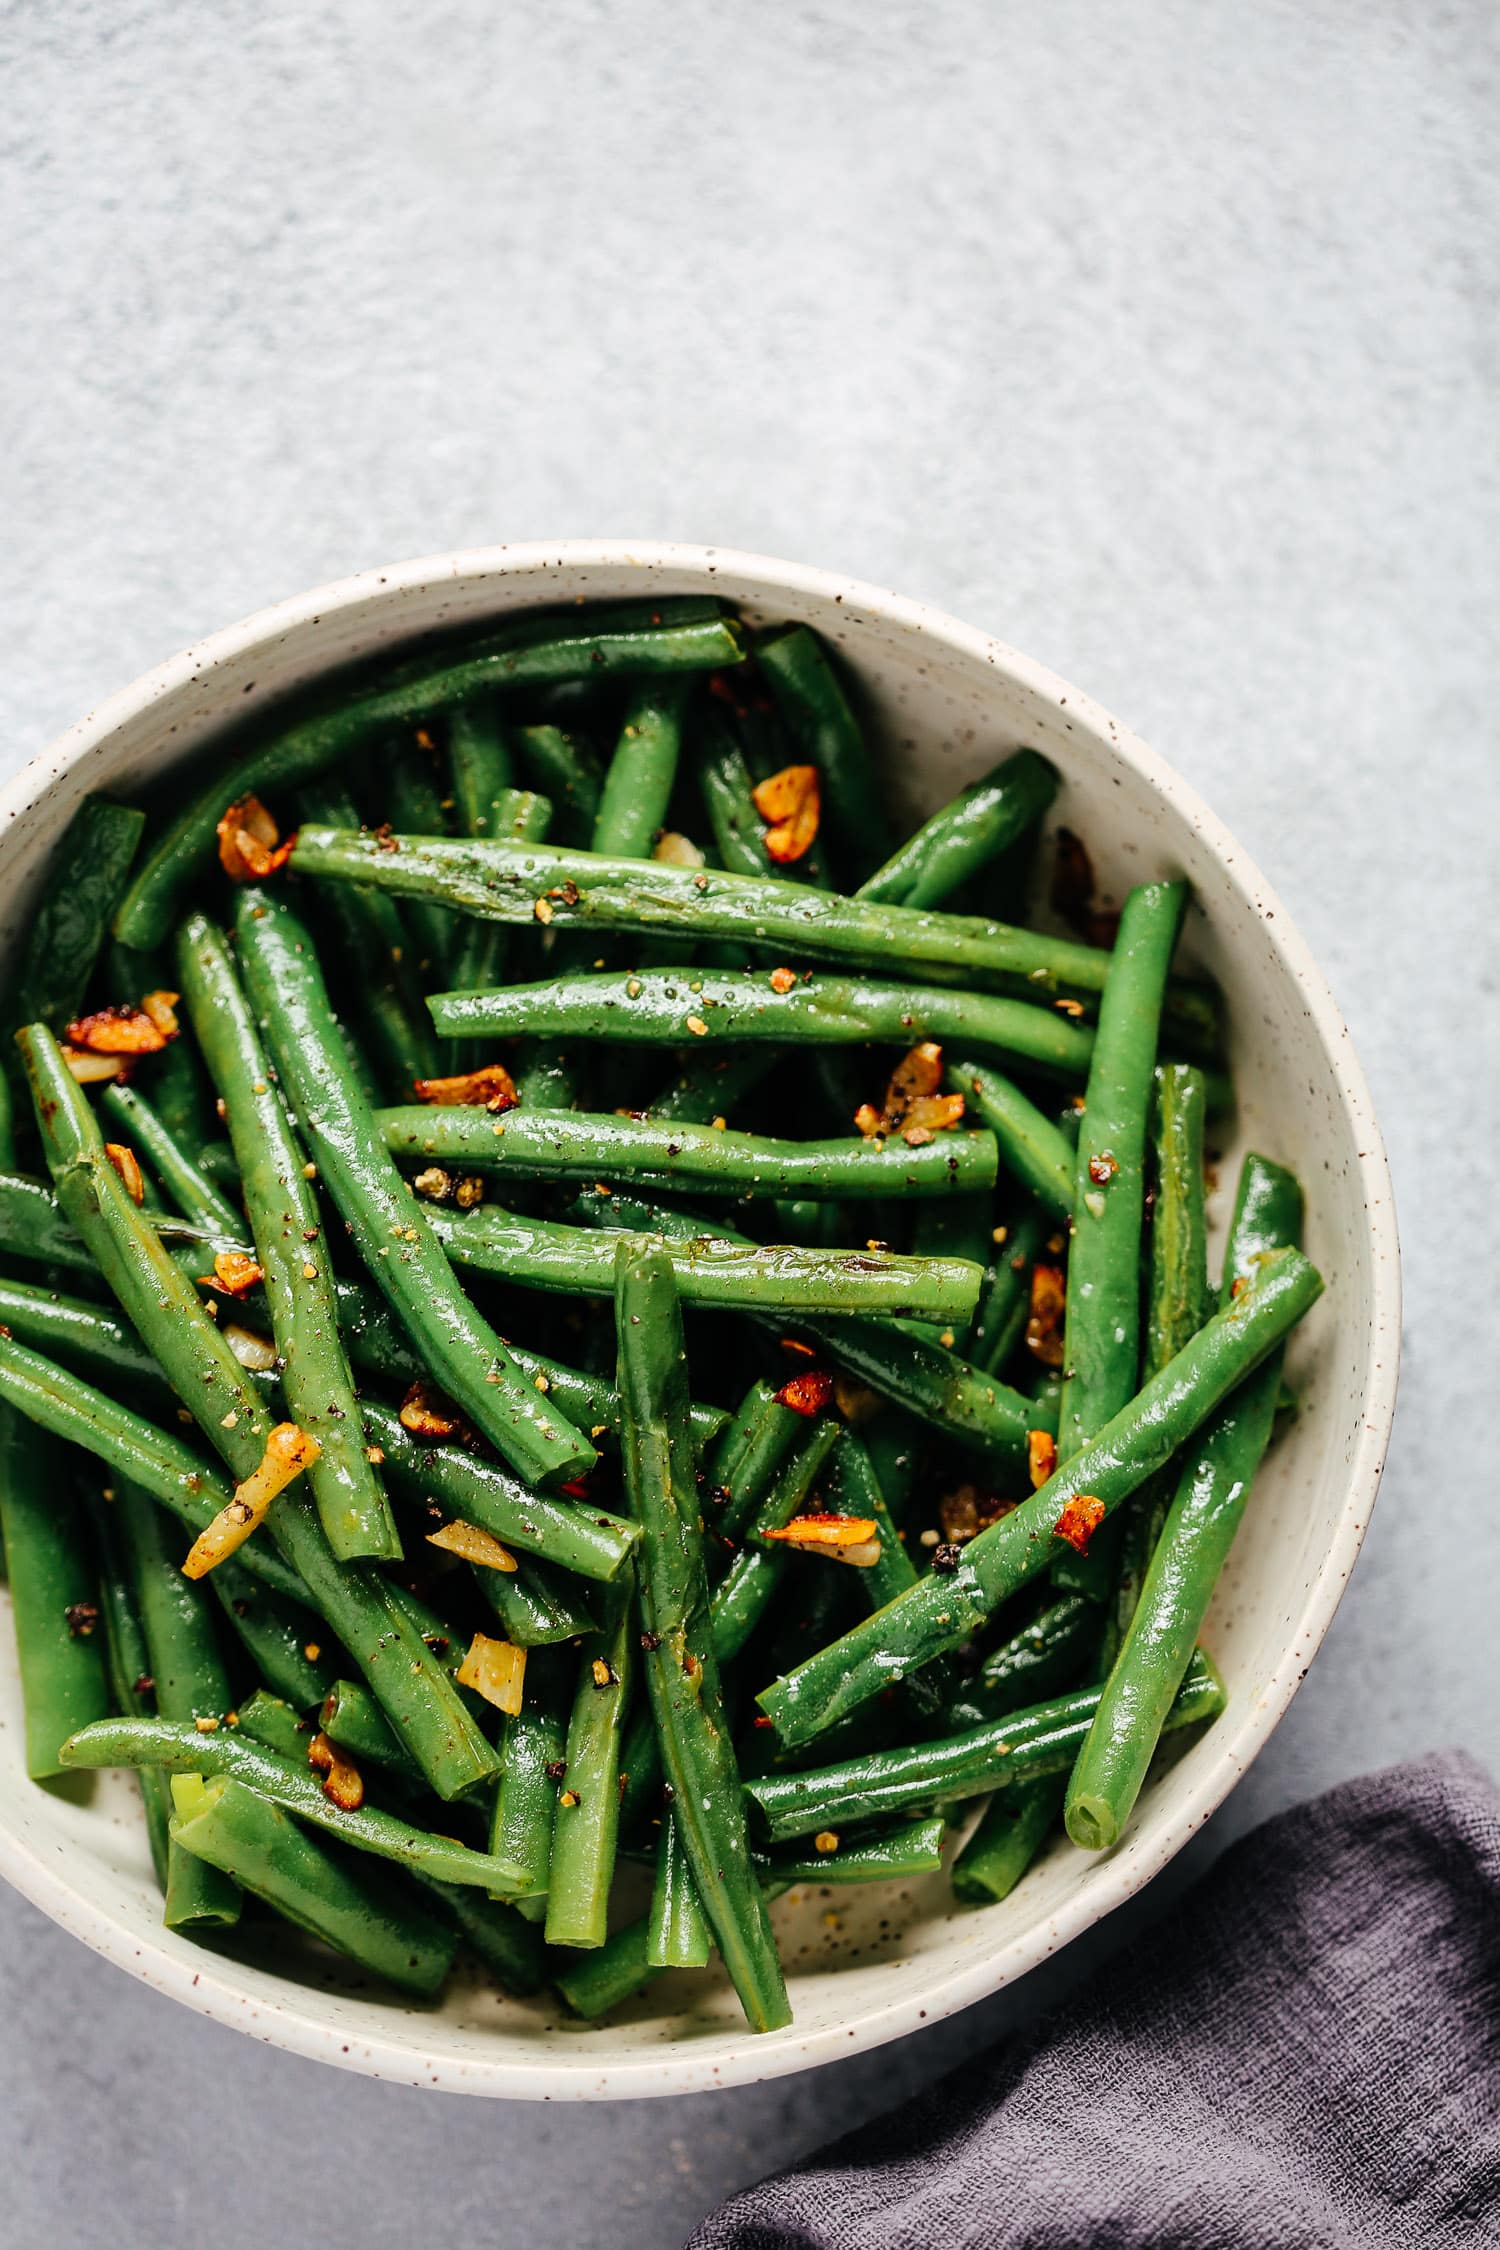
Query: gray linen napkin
<point x="1307" y="2052"/>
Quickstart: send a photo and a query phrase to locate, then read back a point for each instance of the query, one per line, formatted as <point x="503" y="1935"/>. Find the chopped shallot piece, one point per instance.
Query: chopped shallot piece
<point x="1079" y="1521"/>
<point x="117" y="1031"/>
<point x="495" y="1670"/>
<point x="473" y="1544"/>
<point x="808" y="1393"/>
<point x="91" y="1070"/>
<point x="161" y="1007"/>
<point x="427" y="1413"/>
<point x="676" y="850"/>
<point x="236" y="1273"/>
<point x="288" y="1452"/>
<point x="913" y="1105"/>
<point x="791" y="803"/>
<point x="846" y="1539"/>
<point x="490" y="1087"/>
<point x="343" y="1782"/>
<point x="1044" y="1321"/>
<point x="258" y="1353"/>
<point x="1041" y="1456"/>
<point x="124" y="1161"/>
<point x="249" y="845"/>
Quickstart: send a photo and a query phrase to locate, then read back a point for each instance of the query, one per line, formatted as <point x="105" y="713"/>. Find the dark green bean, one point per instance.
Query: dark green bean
<point x="85" y="875"/>
<point x="284" y="1640"/>
<point x="709" y="1006"/>
<point x="1013" y="1828"/>
<point x="272" y="1722"/>
<point x="1031" y="1147"/>
<point x="681" y="1670"/>
<point x="174" y="1079"/>
<point x="92" y="1336"/>
<point x="53" y="1593"/>
<point x="900" y="1853"/>
<point x="748" y="1586"/>
<point x="411" y="798"/>
<point x="1042" y="1659"/>
<point x="1004" y="1303"/>
<point x="810" y="697"/>
<point x="371" y="943"/>
<point x="680" y="1936"/>
<point x="966" y="834"/>
<point x="195" y="1196"/>
<point x="526" y="651"/>
<point x="533" y="1758"/>
<point x="508" y="1945"/>
<point x="1191" y="1552"/>
<point x="713" y="1087"/>
<point x="32" y="1227"/>
<point x="564" y="770"/>
<point x="291" y="1249"/>
<point x="537" y="1606"/>
<point x="227" y="1827"/>
<point x="854" y="1490"/>
<point x="389" y="1229"/>
<point x="945" y="1608"/>
<point x="1006" y="1752"/>
<point x="638" y="785"/>
<point x="586" y="1825"/>
<point x="713" y="1267"/>
<point x="127" y="1663"/>
<point x="351" y="1718"/>
<point x="182" y="1749"/>
<point x="747" y="1455"/>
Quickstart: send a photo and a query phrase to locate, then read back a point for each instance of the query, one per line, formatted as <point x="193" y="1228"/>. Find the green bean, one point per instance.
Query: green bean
<point x="1190" y="1554"/>
<point x="89" y="1334"/>
<point x="900" y="1853"/>
<point x="583" y="890"/>
<point x="899" y="1362"/>
<point x="506" y="1944"/>
<point x="195" y="1196"/>
<point x="1031" y="1147"/>
<point x="182" y="1749"/>
<point x="284" y="1640"/>
<point x="53" y="1597"/>
<point x="726" y="788"/>
<point x="32" y="1227"/>
<point x="586" y="1825"/>
<point x="159" y="1301"/>
<point x="169" y="1470"/>
<point x="412" y="799"/>
<point x="945" y="1608"/>
<point x="656" y="1005"/>
<point x="272" y="1722"/>
<point x="127" y="1664"/>
<point x="1177" y="1304"/>
<point x="537" y="1607"/>
<point x="481" y="770"/>
<point x="679" y="1935"/>
<point x="740" y="1599"/>
<point x="1022" y="1747"/>
<point x="525" y="651"/>
<point x="574" y="1534"/>
<point x="291" y="1250"/>
<point x="966" y="834"/>
<point x="638" y="783"/>
<point x="1005" y="1301"/>
<point x="855" y="1491"/>
<point x="712" y="1267"/>
<point x="479" y="952"/>
<point x="351" y="1718"/>
<point x="371" y="941"/>
<point x="253" y="1841"/>
<point x="564" y="770"/>
<point x="1012" y="1829"/>
<point x="1102" y="1350"/>
<point x="387" y="1224"/>
<point x="747" y="1455"/>
<point x="1042" y="1659"/>
<point x="189" y="1680"/>
<point x="86" y="872"/>
<point x="681" y="1670"/>
<point x="697" y="1159"/>
<point x="593" y="1983"/>
<point x="811" y="699"/>
<point x="712" y="1087"/>
<point x="533" y="1757"/>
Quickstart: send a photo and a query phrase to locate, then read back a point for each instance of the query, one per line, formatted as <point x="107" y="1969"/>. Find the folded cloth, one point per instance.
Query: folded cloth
<point x="1306" y="2053"/>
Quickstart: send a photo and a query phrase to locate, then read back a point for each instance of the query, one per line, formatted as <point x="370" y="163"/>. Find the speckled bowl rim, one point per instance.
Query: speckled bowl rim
<point x="207" y="1982"/>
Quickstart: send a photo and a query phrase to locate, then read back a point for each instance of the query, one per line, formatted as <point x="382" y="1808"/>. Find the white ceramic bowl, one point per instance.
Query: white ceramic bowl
<point x="946" y="701"/>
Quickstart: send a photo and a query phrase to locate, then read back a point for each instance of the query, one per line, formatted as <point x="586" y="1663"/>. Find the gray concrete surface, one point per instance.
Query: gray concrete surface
<point x="1159" y="339"/>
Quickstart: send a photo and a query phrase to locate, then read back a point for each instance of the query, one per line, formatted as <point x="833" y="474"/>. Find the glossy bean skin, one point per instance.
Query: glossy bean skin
<point x="944" y="1609"/>
<point x="639" y="779"/>
<point x="1031" y="1148"/>
<point x="657" y="1006"/>
<point x="388" y="1225"/>
<point x="825" y="733"/>
<point x="681" y="1670"/>
<point x="182" y="1749"/>
<point x="582" y="1146"/>
<point x="1195" y="1540"/>
<point x="291" y="1248"/>
<point x="965" y="835"/>
<point x="1024" y="1747"/>
<point x="128" y="1666"/>
<point x="585" y="1827"/>
<point x="532" y="1740"/>
<point x="370" y="941"/>
<point x="191" y="1190"/>
<point x="679" y="1935"/>
<point x="524" y="652"/>
<point x="60" y="1651"/>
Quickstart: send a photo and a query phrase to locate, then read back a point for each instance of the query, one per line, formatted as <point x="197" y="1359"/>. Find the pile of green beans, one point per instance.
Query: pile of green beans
<point x="633" y="1301"/>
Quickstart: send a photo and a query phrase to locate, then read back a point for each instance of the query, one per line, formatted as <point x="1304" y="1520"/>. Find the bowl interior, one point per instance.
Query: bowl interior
<point x="943" y="703"/>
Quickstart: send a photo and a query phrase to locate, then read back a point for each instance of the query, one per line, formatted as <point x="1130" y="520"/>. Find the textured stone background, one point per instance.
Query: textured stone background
<point x="1159" y="339"/>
